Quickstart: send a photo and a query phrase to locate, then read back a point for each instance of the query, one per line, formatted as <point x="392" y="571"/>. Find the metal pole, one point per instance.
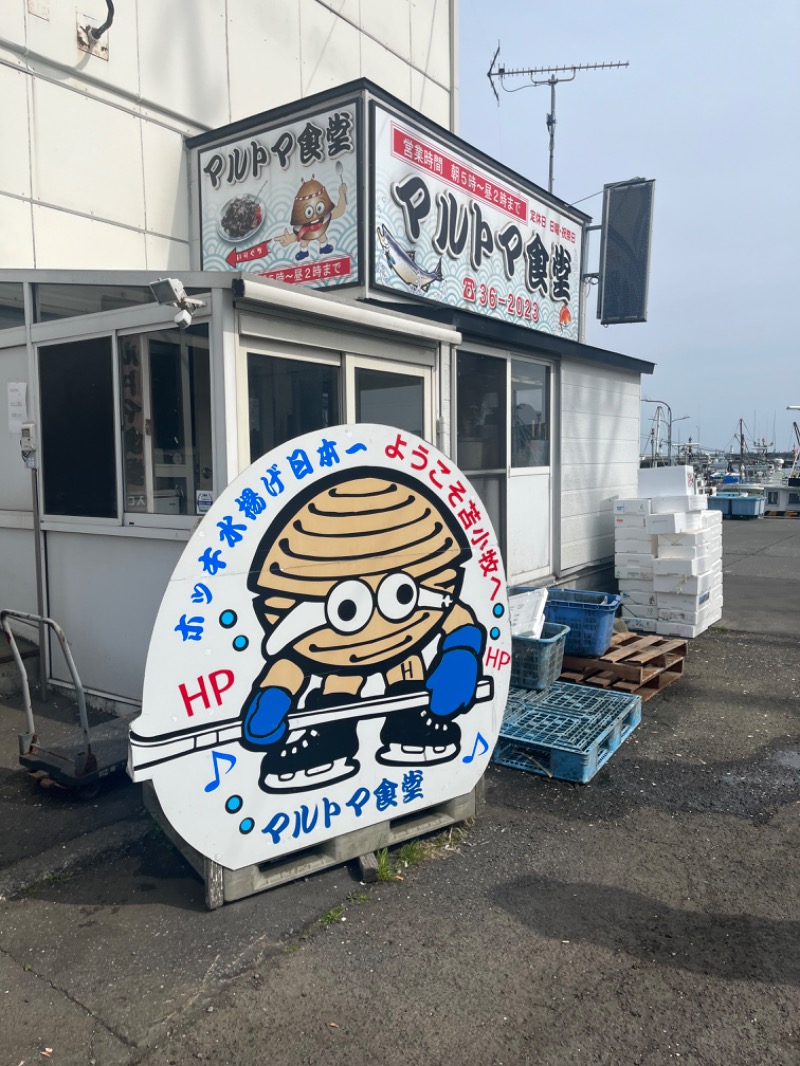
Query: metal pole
<point x="551" y="125"/>
<point x="37" y="537"/>
<point x="669" y="436"/>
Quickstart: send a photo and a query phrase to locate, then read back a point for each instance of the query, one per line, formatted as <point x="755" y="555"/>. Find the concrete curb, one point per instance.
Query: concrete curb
<point x="27" y="872"/>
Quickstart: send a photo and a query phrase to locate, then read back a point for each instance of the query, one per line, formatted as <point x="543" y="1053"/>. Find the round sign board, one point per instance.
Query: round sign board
<point x="332" y="650"/>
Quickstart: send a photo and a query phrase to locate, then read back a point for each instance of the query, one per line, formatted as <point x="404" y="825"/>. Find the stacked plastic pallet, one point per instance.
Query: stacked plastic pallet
<point x="550" y="728"/>
<point x="668" y="555"/>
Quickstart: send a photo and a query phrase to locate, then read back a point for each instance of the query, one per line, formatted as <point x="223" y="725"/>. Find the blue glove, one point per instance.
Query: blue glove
<point x="454" y="679"/>
<point x="265" y="718"/>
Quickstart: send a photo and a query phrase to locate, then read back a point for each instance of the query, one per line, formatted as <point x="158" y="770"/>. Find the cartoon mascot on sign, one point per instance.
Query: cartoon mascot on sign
<point x="358" y="593"/>
<point x="312" y="213"/>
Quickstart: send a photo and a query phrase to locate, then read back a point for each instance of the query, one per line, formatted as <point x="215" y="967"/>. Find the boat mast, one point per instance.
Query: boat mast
<point x="741" y="450"/>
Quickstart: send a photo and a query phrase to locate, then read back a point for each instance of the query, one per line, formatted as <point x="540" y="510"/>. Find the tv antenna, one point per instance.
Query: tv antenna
<point x="536" y="78"/>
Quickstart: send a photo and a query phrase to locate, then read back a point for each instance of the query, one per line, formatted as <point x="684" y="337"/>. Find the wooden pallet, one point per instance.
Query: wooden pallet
<point x="642" y="663"/>
<point x="224" y="886"/>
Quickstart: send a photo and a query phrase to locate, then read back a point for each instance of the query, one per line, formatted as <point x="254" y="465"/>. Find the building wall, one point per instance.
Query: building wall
<point x="599" y="457"/>
<point x="93" y="171"/>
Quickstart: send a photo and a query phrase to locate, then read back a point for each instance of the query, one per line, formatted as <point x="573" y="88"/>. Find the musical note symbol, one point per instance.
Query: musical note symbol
<point x="479" y="739"/>
<point x="219" y="756"/>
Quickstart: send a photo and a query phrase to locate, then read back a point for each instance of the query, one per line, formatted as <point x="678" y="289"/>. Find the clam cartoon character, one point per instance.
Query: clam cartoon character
<point x="312" y="213"/>
<point x="358" y="594"/>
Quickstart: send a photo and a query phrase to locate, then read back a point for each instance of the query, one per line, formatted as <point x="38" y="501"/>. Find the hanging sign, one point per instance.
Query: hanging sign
<point x="332" y="650"/>
<point x="452" y="232"/>
<point x="282" y="201"/>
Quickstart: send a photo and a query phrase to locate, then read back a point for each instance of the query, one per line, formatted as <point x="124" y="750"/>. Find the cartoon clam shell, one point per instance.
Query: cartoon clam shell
<point x="240" y="218"/>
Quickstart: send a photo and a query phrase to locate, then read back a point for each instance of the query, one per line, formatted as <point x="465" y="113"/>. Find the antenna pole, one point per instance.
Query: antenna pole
<point x="551" y="126"/>
<point x="534" y="73"/>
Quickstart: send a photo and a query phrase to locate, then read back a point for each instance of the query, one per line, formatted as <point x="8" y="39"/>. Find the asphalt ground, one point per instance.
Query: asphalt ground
<point x="651" y="916"/>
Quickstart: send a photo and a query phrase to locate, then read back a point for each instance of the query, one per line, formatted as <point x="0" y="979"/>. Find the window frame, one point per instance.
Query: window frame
<point x="125" y="523"/>
<point x="54" y="519"/>
<point x="157" y="520"/>
<point x="548" y="391"/>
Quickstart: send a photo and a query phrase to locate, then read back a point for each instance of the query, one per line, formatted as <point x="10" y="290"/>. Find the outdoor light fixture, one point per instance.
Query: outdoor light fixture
<point x="170" y="293"/>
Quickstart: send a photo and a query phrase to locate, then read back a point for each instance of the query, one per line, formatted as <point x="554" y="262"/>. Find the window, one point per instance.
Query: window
<point x="76" y="383"/>
<point x="66" y="301"/>
<point x="288" y="397"/>
<point x="165" y="418"/>
<point x="12" y="309"/>
<point x="166" y="421"/>
<point x="530" y="420"/>
<point x="481" y="412"/>
<point x="390" y="399"/>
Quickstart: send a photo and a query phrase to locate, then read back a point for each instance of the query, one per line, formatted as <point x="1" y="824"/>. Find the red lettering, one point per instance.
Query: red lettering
<point x="201" y="695"/>
<point x="216" y="683"/>
<point x="497" y="657"/>
<point x="220" y="681"/>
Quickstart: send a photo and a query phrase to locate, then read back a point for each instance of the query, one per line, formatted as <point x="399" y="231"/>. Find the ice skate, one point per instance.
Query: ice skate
<point x="418" y="738"/>
<point x="311" y="758"/>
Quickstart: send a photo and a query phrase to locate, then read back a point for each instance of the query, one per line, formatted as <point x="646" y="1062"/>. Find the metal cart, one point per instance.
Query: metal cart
<point x="79" y="761"/>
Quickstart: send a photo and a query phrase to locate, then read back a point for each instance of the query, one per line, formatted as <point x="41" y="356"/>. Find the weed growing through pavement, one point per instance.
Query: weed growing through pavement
<point x="335" y="914"/>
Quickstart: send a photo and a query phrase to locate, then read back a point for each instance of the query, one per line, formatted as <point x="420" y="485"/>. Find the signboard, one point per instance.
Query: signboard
<point x="450" y="231"/>
<point x="625" y="240"/>
<point x="282" y="201"/>
<point x="332" y="651"/>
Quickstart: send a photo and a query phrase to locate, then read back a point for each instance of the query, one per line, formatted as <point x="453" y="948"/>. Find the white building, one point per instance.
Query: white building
<point x="451" y="303"/>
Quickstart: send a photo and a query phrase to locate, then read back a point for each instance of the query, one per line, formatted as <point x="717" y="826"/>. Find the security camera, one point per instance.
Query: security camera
<point x="170" y="293"/>
<point x="183" y="319"/>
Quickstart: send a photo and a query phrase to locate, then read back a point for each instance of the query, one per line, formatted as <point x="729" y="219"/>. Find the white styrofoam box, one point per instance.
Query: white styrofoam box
<point x="695" y="565"/>
<point x="674" y="522"/>
<point x="694" y="537"/>
<point x="711" y="519"/>
<point x="642" y="592"/>
<point x="634" y="558"/>
<point x="713" y="551"/>
<point x="638" y="610"/>
<point x="667" y="504"/>
<point x="526" y="612"/>
<point x="689" y="618"/>
<point x="666" y="481"/>
<point x="688" y="545"/>
<point x="633" y="573"/>
<point x="684" y="584"/>
<point x="624" y="542"/>
<point x="704" y="605"/>
<point x="640" y="624"/>
<point x="679" y="629"/>
<point x="637" y="506"/>
<point x="670" y="601"/>
<point x="630" y="521"/>
<point x="641" y="603"/>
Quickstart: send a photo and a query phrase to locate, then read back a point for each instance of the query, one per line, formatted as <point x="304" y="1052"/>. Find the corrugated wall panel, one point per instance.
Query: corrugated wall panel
<point x="599" y="457"/>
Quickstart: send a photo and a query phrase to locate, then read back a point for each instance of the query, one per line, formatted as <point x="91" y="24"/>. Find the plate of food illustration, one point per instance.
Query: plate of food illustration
<point x="240" y="218"/>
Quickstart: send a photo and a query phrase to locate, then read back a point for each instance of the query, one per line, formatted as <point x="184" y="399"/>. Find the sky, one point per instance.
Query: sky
<point x="710" y="108"/>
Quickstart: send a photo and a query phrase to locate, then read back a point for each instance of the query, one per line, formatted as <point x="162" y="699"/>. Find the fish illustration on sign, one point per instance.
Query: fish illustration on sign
<point x="404" y="265"/>
<point x="564" y="317"/>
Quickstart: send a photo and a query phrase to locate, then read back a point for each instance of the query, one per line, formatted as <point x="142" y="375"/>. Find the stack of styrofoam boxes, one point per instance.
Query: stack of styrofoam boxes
<point x="668" y="555"/>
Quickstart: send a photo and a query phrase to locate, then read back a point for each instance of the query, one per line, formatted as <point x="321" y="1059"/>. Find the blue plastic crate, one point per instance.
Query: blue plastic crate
<point x="747" y="506"/>
<point x="589" y="615"/>
<point x="720" y="502"/>
<point x="567" y="732"/>
<point x="536" y="662"/>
